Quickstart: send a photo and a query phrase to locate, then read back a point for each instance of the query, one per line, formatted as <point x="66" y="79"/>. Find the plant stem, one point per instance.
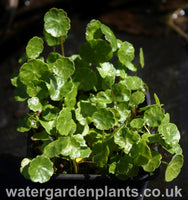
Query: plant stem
<point x="62" y="47"/>
<point x="147" y="129"/>
<point x="75" y="166"/>
<point x="164" y="162"/>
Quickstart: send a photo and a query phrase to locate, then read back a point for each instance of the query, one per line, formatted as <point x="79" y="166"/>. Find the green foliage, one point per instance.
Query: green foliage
<point x="56" y="23"/>
<point x="40" y="169"/>
<point x="34" y="47"/>
<point x="88" y="108"/>
<point x="174" y="167"/>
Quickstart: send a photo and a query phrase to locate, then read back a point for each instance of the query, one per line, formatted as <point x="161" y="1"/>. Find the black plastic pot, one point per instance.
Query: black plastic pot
<point x="101" y="187"/>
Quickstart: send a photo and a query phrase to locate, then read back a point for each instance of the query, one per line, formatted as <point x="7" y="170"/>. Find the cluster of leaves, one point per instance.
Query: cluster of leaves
<point x="87" y="108"/>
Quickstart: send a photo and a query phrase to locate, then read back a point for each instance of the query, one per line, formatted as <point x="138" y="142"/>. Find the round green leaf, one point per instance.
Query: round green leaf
<point x="63" y="67"/>
<point x="106" y="69"/>
<point x="137" y="98"/>
<point x="96" y="51"/>
<point x="126" y="167"/>
<point x="65" y="123"/>
<point x="41" y="169"/>
<point x="153" y="116"/>
<point x="37" y="88"/>
<point x="124" y="111"/>
<point x="34" y="47"/>
<point x="125" y="139"/>
<point x="101" y="158"/>
<point x="170" y="133"/>
<point x="108" y="73"/>
<point x="49" y="126"/>
<point x="33" y="70"/>
<point x="103" y="119"/>
<point x="134" y="82"/>
<point x="121" y="93"/>
<point x="74" y="146"/>
<point x="59" y="88"/>
<point x="53" y="149"/>
<point x="141" y="153"/>
<point x="137" y="123"/>
<point x="84" y="112"/>
<point x="103" y="97"/>
<point x="174" y="167"/>
<point x="56" y="22"/>
<point x="85" y="78"/>
<point x="153" y="163"/>
<point x="126" y="53"/>
<point x="52" y="57"/>
<point x="34" y="104"/>
<point x="70" y="98"/>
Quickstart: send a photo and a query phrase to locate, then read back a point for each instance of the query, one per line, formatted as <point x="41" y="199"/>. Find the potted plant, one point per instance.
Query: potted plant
<point x="87" y="112"/>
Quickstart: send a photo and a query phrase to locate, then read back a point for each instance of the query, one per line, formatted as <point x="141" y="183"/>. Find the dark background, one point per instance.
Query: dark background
<point x="144" y="23"/>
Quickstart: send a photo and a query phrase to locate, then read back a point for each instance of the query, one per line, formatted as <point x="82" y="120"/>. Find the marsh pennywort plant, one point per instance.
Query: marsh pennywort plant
<point x="86" y="112"/>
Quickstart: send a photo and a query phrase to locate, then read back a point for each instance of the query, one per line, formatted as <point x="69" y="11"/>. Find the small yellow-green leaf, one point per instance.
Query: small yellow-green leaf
<point x="141" y="58"/>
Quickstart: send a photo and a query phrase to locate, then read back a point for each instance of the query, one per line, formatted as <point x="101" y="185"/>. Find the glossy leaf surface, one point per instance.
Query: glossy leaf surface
<point x="34" y="104"/>
<point x="63" y="67"/>
<point x="34" y="47"/>
<point x="65" y="122"/>
<point x="40" y="169"/>
<point x="103" y="119"/>
<point x="33" y="70"/>
<point x="153" y="116"/>
<point x="56" y="22"/>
